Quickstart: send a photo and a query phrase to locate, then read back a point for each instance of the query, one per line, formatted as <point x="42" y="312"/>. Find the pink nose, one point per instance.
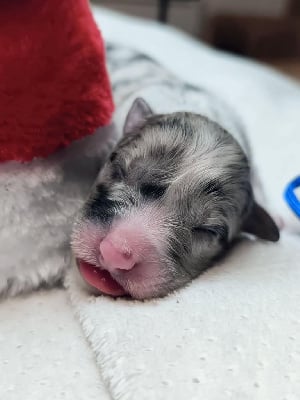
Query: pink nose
<point x="115" y="256"/>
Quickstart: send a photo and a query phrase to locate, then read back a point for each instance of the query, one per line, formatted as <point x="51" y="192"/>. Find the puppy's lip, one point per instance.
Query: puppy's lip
<point x="100" y="279"/>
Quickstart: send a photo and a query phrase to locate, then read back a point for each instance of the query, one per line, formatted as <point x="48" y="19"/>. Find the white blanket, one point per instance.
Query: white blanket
<point x="234" y="332"/>
<point x="43" y="352"/>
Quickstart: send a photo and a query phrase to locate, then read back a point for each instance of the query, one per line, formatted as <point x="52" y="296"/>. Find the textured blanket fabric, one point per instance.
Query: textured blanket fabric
<point x="44" y="354"/>
<point x="234" y="332"/>
<point x="38" y="204"/>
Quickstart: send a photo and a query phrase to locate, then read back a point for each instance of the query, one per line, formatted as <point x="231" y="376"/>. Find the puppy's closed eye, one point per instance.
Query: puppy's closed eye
<point x="203" y="230"/>
<point x="218" y="231"/>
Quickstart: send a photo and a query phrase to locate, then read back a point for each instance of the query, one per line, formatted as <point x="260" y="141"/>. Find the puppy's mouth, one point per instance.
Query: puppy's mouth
<point x="100" y="279"/>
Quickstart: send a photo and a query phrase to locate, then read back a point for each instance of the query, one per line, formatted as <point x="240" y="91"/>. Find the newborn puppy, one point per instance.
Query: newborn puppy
<point x="173" y="195"/>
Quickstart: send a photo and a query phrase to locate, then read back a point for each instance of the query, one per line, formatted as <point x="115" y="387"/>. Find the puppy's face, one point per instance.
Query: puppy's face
<point x="173" y="194"/>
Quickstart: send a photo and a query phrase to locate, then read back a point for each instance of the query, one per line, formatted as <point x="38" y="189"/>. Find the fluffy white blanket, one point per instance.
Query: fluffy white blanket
<point x="232" y="333"/>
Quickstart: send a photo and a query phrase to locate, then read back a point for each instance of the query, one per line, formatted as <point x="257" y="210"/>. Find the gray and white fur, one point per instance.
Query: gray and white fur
<point x="179" y="180"/>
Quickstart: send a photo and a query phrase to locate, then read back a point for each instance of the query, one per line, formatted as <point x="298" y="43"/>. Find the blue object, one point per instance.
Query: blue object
<point x="290" y="196"/>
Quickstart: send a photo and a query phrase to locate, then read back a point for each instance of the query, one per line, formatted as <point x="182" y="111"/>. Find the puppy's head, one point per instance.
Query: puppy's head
<point x="172" y="196"/>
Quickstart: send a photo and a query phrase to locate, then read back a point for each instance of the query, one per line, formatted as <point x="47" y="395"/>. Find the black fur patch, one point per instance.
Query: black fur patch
<point x="118" y="173"/>
<point x="152" y="191"/>
<point x="100" y="207"/>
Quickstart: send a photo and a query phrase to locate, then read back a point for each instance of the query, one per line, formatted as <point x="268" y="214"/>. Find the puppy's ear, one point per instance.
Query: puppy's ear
<point x="136" y="116"/>
<point x="260" y="224"/>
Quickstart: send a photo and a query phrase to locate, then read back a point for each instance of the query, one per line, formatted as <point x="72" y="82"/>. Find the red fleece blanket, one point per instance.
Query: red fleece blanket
<point x="54" y="86"/>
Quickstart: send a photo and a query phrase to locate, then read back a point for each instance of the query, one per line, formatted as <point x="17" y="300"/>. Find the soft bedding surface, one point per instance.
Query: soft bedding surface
<point x="44" y="354"/>
<point x="233" y="332"/>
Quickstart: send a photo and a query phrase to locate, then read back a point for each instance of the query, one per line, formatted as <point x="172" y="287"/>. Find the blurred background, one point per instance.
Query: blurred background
<point x="266" y="30"/>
